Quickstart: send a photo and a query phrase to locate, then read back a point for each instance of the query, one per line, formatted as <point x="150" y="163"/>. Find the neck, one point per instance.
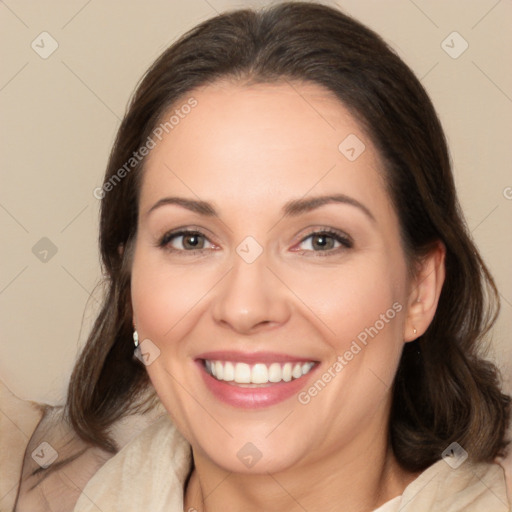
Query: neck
<point x="362" y="477"/>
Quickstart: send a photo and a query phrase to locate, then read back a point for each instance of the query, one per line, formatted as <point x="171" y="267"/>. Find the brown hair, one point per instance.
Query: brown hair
<point x="444" y="390"/>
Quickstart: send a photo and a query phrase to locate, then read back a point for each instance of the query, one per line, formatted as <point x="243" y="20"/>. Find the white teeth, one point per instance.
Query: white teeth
<point x="219" y="370"/>
<point x="259" y="373"/>
<point x="287" y="372"/>
<point x="274" y="372"/>
<point x="229" y="371"/>
<point x="306" y="367"/>
<point x="242" y="373"/>
<point x="297" y="371"/>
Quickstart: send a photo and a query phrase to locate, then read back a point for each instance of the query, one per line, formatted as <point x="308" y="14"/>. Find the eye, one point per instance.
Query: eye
<point x="325" y="241"/>
<point x="185" y="241"/>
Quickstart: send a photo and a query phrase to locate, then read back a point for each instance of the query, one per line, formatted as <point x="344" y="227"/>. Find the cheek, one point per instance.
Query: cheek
<point x="153" y="302"/>
<point x="163" y="295"/>
<point x="352" y="297"/>
<point x="360" y="312"/>
<point x="163" y="301"/>
<point x="359" y="309"/>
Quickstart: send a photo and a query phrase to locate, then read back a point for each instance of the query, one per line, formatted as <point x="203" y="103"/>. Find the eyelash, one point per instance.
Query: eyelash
<point x="165" y="241"/>
<point x="343" y="239"/>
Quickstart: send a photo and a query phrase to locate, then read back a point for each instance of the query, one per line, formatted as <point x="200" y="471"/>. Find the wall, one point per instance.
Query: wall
<point x="60" y="114"/>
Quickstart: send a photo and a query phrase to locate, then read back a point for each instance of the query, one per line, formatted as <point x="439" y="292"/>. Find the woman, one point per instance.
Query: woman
<point x="283" y="244"/>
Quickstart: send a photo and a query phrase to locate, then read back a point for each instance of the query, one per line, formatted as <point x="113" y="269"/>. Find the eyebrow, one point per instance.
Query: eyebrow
<point x="196" y="206"/>
<point x="292" y="208"/>
<point x="300" y="206"/>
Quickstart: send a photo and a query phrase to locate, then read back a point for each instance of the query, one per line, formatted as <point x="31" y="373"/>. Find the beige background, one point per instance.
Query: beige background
<point x="60" y="114"/>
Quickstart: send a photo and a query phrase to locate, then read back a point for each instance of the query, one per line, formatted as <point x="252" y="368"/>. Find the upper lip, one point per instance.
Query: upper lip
<point x="252" y="357"/>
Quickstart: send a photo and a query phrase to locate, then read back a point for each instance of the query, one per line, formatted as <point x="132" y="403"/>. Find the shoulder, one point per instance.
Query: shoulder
<point x="57" y="465"/>
<point x="465" y="487"/>
<point x="45" y="465"/>
<point x="18" y="420"/>
<point x="149" y="473"/>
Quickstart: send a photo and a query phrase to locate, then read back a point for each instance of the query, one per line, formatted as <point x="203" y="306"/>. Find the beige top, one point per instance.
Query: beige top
<point x="142" y="476"/>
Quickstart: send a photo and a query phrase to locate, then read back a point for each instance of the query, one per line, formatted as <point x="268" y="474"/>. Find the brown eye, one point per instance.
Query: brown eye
<point x="192" y="241"/>
<point x="184" y="241"/>
<point x="325" y="241"/>
<point x="322" y="242"/>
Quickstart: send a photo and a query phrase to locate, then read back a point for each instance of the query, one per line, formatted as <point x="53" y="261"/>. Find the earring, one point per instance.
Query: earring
<point x="414" y="331"/>
<point x="136" y="338"/>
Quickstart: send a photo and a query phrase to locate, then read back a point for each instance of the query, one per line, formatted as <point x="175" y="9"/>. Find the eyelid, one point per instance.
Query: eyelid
<point x="164" y="240"/>
<point x="345" y="240"/>
<point x="186" y="228"/>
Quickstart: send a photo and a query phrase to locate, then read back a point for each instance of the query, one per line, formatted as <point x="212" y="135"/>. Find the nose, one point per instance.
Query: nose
<point x="250" y="299"/>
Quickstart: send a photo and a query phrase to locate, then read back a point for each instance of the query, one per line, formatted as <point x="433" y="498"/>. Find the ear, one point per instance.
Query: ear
<point x="425" y="290"/>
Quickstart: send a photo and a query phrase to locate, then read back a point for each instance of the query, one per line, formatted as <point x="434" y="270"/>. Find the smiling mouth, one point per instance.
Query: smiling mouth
<point x="249" y="375"/>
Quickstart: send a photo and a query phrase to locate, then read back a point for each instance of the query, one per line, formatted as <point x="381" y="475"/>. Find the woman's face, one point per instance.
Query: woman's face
<point x="268" y="253"/>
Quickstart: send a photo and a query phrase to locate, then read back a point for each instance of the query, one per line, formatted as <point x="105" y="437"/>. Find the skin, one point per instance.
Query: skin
<point x="248" y="150"/>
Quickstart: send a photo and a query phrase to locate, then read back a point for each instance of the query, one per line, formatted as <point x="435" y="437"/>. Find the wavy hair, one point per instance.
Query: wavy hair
<point x="444" y="389"/>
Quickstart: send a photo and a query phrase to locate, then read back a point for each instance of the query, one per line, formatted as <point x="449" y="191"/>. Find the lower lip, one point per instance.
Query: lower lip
<point x="253" y="397"/>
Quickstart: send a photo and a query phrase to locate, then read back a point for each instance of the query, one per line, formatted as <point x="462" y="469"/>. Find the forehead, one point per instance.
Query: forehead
<point x="262" y="140"/>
